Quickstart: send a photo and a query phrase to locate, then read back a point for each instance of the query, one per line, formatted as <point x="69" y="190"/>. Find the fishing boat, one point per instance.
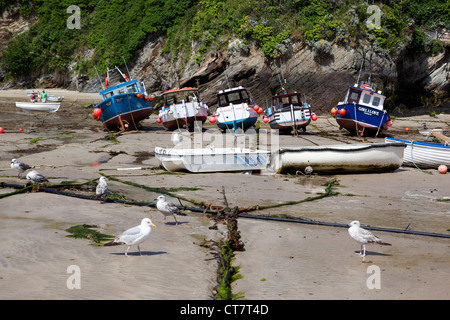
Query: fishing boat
<point x="39" y="106"/>
<point x="362" y="111"/>
<point x="182" y="108"/>
<point x="124" y="105"/>
<point x="341" y="158"/>
<point x="288" y="112"/>
<point x="235" y="109"/>
<point x="212" y="159"/>
<point x="424" y="155"/>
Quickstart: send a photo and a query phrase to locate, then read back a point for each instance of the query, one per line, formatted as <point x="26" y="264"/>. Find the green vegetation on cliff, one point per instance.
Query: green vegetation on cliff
<point x="114" y="29"/>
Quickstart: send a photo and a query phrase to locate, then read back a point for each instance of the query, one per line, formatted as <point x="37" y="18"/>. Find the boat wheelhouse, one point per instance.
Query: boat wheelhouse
<point x="182" y="108"/>
<point x="362" y="111"/>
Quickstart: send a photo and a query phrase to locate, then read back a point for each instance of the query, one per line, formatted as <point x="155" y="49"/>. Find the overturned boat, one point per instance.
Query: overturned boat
<point x="341" y="158"/>
<point x="212" y="159"/>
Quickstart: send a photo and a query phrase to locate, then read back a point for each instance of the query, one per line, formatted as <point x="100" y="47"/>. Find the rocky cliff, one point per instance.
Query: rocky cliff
<point x="323" y="78"/>
<point x="323" y="81"/>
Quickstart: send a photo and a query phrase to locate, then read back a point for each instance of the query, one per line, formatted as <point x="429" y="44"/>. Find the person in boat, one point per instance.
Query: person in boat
<point x="33" y="97"/>
<point x="44" y="96"/>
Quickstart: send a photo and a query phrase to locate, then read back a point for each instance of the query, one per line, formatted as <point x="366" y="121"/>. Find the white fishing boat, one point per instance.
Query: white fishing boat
<point x="39" y="106"/>
<point x="288" y="112"/>
<point x="236" y="110"/>
<point x="212" y="159"/>
<point x="424" y="155"/>
<point x="342" y="158"/>
<point x="182" y="108"/>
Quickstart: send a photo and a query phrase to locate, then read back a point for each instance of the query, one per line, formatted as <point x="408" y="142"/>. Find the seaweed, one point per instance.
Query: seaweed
<point x="85" y="231"/>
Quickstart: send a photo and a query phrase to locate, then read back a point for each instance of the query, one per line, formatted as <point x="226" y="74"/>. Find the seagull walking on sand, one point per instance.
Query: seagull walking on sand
<point x="102" y="187"/>
<point x="363" y="236"/>
<point x="19" y="166"/>
<point x="36" y="177"/>
<point x="134" y="236"/>
<point x="168" y="208"/>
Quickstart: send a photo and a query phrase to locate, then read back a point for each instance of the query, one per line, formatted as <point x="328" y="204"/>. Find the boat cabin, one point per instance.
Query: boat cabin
<point x="283" y="100"/>
<point x="365" y="96"/>
<point x="233" y="96"/>
<point x="122" y="88"/>
<point x="177" y="96"/>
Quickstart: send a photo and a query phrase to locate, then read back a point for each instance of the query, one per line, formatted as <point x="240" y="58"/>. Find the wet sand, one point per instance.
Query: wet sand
<point x="281" y="261"/>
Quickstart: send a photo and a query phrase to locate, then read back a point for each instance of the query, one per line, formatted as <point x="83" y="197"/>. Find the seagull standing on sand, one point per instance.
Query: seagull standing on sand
<point x="363" y="236"/>
<point x="102" y="187"/>
<point x="134" y="236"/>
<point x="19" y="166"/>
<point x="167" y="208"/>
<point x="36" y="177"/>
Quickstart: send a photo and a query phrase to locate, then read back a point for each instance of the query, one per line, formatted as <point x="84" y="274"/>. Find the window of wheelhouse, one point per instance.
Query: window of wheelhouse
<point x="353" y="96"/>
<point x="295" y="100"/>
<point x="233" y="97"/>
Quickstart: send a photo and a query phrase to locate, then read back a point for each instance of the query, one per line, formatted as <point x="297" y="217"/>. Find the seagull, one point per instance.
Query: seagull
<point x="36" y="177"/>
<point x="19" y="166"/>
<point x="363" y="237"/>
<point x="134" y="236"/>
<point x="167" y="208"/>
<point x="102" y="187"/>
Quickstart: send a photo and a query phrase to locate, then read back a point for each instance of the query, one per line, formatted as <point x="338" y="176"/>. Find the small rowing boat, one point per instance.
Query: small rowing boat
<point x="39" y="106"/>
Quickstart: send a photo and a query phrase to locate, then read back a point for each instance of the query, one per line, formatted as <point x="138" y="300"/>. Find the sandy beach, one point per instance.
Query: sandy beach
<point x="281" y="260"/>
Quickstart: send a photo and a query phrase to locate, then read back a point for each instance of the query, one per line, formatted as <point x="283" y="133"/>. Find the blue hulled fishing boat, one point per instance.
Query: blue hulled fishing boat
<point x="362" y="111"/>
<point x="124" y="105"/>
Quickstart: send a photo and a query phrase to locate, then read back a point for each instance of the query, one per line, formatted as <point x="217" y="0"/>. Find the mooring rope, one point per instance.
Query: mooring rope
<point x="216" y="212"/>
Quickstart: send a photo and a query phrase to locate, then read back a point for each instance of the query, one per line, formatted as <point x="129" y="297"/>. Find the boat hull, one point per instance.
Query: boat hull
<point x="424" y="155"/>
<point x="287" y="118"/>
<point x="212" y="159"/>
<point x="124" y="111"/>
<point x="183" y="116"/>
<point x="332" y="159"/>
<point x="234" y="117"/>
<point x="38" y="107"/>
<point x="359" y="118"/>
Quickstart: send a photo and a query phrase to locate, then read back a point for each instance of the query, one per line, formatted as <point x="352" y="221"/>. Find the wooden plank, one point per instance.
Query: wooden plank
<point x="440" y="136"/>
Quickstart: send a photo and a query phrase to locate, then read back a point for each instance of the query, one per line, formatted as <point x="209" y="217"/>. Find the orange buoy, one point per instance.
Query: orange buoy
<point x="97" y="113"/>
<point x="342" y="112"/>
<point x="139" y="95"/>
<point x="260" y="110"/>
<point x="212" y="119"/>
<point x="442" y="169"/>
<point x="314" y="117"/>
<point x="407" y="129"/>
<point x="334" y="111"/>
<point x="266" y="119"/>
<point x="159" y="120"/>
